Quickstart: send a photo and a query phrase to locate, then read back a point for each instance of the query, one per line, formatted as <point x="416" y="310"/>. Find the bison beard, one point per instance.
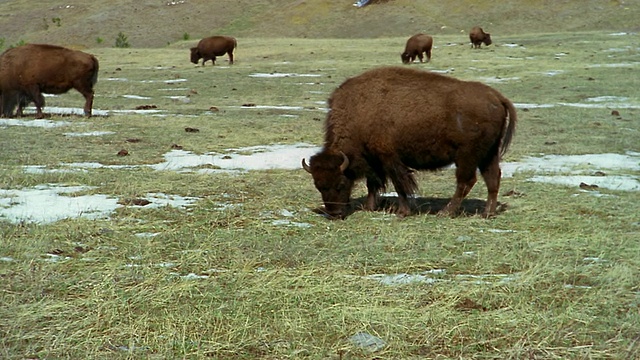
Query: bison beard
<point x="387" y="122"/>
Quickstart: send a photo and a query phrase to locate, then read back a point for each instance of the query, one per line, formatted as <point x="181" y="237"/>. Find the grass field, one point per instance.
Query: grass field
<point x="235" y="264"/>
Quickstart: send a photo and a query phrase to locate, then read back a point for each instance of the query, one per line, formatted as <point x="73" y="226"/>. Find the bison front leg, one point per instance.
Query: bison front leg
<point x="373" y="187"/>
<point x="9" y="100"/>
<point x="230" y="53"/>
<point x="38" y="100"/>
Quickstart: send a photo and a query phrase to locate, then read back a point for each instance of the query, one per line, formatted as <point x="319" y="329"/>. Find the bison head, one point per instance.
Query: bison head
<point x="487" y="39"/>
<point x="328" y="171"/>
<point x="405" y="57"/>
<point x="195" y="55"/>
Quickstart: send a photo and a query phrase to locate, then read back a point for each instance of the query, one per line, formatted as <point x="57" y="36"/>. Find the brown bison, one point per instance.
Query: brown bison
<point x="28" y="71"/>
<point x="389" y="121"/>
<point x="416" y="45"/>
<point x="478" y="36"/>
<point x="208" y="48"/>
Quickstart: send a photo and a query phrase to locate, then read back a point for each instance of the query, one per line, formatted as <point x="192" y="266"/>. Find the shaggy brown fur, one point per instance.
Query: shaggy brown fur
<point x="478" y="36"/>
<point x="208" y="48"/>
<point x="415" y="47"/>
<point x="28" y="71"/>
<point x="388" y="121"/>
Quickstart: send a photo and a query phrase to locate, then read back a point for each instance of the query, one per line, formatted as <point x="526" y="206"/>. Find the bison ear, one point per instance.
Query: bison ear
<point x="305" y="166"/>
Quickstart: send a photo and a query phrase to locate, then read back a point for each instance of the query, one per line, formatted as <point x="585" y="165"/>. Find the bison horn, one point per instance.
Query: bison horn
<point x="305" y="166"/>
<point x="345" y="162"/>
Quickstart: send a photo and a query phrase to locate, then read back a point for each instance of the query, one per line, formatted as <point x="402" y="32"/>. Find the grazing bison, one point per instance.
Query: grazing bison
<point x="416" y="45"/>
<point x="28" y="71"/>
<point x="208" y="48"/>
<point x="389" y="121"/>
<point x="478" y="36"/>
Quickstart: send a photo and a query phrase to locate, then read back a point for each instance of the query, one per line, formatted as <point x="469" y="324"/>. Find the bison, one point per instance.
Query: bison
<point x="416" y="45"/>
<point x="390" y="121"/>
<point x="208" y="48"/>
<point x="478" y="36"/>
<point x="28" y="71"/>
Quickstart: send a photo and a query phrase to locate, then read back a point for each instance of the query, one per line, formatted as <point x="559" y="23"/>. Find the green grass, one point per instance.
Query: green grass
<point x="275" y="291"/>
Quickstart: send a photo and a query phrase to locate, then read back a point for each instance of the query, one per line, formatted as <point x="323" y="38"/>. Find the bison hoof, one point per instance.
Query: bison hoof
<point x="446" y="213"/>
<point x="402" y="213"/>
<point x="488" y="215"/>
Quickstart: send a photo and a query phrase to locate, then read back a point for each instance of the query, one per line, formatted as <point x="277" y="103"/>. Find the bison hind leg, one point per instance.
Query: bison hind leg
<point x="491" y="174"/>
<point x="465" y="179"/>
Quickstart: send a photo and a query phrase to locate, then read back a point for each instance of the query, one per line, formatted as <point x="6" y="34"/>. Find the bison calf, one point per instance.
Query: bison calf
<point x="208" y="48"/>
<point x="415" y="47"/>
<point x="28" y="71"/>
<point x="478" y="36"/>
<point x="389" y="121"/>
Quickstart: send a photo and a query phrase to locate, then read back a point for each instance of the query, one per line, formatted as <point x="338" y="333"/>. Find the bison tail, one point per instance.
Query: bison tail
<point x="509" y="126"/>
<point x="96" y="67"/>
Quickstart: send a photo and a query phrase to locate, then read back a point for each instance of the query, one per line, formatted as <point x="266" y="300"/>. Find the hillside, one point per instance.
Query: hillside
<point x="156" y="23"/>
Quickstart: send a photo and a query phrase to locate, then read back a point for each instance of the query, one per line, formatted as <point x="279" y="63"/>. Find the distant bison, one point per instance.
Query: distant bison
<point x="415" y="47"/>
<point x="478" y="36"/>
<point x="208" y="48"/>
<point x="28" y="71"/>
<point x="389" y="121"/>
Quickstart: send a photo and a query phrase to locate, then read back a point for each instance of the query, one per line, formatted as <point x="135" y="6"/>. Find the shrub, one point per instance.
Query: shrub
<point x="121" y="40"/>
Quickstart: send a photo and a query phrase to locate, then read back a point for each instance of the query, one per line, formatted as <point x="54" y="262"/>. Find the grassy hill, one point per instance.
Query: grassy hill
<point x="156" y="23"/>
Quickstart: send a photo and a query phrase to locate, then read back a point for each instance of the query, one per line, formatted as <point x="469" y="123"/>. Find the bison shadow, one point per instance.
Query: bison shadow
<point x="420" y="206"/>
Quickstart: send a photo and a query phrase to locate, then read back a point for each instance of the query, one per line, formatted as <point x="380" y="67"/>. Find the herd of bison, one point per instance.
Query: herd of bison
<point x="383" y="124"/>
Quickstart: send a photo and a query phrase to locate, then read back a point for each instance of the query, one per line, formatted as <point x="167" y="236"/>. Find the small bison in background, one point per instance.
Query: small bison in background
<point x="478" y="36"/>
<point x="416" y="45"/>
<point x="389" y="121"/>
<point x="208" y="48"/>
<point x="28" y="71"/>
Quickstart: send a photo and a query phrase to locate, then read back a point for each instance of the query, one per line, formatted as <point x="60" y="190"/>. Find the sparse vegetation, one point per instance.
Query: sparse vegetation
<point x="185" y="36"/>
<point x="314" y="19"/>
<point x="122" y="41"/>
<point x="99" y="40"/>
<point x="19" y="43"/>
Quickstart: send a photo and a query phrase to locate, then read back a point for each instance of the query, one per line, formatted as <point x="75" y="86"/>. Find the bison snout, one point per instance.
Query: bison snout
<point x="333" y="214"/>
